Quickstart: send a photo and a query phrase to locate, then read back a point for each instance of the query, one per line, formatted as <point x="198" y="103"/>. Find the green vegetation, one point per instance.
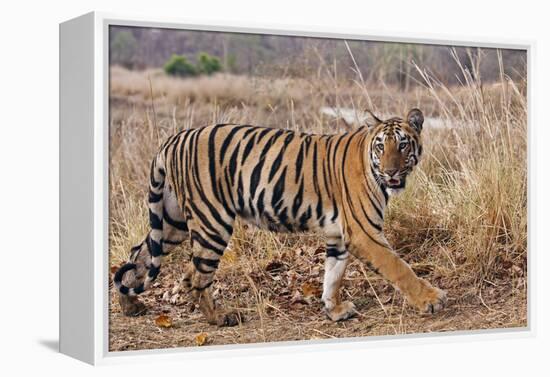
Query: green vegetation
<point x="208" y="64"/>
<point x="178" y="65"/>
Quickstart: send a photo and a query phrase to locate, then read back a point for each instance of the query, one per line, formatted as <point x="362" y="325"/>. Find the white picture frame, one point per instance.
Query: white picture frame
<point x="84" y="272"/>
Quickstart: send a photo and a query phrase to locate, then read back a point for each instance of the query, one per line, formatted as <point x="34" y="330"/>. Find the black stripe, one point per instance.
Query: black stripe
<point x="212" y="161"/>
<point x="299" y="162"/>
<point x="378" y="205"/>
<point x="215" y="237"/>
<point x="154" y="198"/>
<point x="257" y="171"/>
<point x="334" y="209"/>
<point x="202" y="217"/>
<point x="122" y="270"/>
<point x="139" y="289"/>
<point x="155" y="247"/>
<point x="227" y="141"/>
<point x="278" y="190"/>
<point x="319" y="208"/>
<point x="154" y="221"/>
<point x="378" y="210"/>
<point x="204" y="199"/>
<point x="152" y="174"/>
<point x="264" y="132"/>
<point x="223" y="199"/>
<point x="277" y="163"/>
<point x="180" y="225"/>
<point x="204" y="243"/>
<point x="124" y="290"/>
<point x="348" y="199"/>
<point x="171" y="242"/>
<point x="372" y="223"/>
<point x="298" y="199"/>
<point x="283" y="219"/>
<point x="153" y="272"/>
<point x="233" y="162"/>
<point x="260" y="203"/>
<point x="240" y="189"/>
<point x="212" y="263"/>
<point x="249" y="131"/>
<point x="248" y="148"/>
<point x="255" y="177"/>
<point x="305" y="218"/>
<point x="229" y="186"/>
<point x="335" y="151"/>
<point x="307" y="142"/>
<point x="334" y="252"/>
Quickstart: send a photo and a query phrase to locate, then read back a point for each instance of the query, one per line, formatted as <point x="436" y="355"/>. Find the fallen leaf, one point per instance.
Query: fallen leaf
<point x="310" y="289"/>
<point x="274" y="266"/>
<point x="163" y="321"/>
<point x="201" y="339"/>
<point x="298" y="298"/>
<point x="315" y="271"/>
<point x="320" y="250"/>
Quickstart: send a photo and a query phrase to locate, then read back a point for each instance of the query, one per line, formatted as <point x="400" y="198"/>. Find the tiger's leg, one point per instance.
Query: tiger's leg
<point x="378" y="256"/>
<point x="335" y="266"/>
<point x="174" y="233"/>
<point x="207" y="251"/>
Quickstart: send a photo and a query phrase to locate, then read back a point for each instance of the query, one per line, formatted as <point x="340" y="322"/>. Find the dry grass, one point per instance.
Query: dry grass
<point x="461" y="223"/>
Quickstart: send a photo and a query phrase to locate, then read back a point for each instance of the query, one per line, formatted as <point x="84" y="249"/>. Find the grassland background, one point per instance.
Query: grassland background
<point x="461" y="223"/>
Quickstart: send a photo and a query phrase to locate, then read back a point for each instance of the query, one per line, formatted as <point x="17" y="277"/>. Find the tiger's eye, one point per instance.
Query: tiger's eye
<point x="403" y="145"/>
<point x="380" y="147"/>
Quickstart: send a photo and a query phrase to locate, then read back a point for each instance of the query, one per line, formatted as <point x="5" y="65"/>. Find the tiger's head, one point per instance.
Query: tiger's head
<point x="395" y="148"/>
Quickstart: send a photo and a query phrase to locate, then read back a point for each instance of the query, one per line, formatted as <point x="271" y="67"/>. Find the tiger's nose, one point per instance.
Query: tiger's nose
<point x="391" y="172"/>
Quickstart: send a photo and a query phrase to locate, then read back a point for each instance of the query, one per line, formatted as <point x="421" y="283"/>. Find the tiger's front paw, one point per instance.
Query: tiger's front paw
<point x="430" y="300"/>
<point x="341" y="312"/>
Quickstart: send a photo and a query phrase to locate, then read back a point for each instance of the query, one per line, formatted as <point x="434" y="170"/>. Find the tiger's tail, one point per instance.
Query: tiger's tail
<point x="154" y="240"/>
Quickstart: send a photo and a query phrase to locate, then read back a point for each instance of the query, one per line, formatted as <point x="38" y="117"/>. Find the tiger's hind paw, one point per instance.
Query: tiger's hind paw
<point x="131" y="306"/>
<point x="229" y="319"/>
<point x="341" y="312"/>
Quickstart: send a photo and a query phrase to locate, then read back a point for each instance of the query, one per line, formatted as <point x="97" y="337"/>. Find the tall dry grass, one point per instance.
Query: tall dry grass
<point x="469" y="197"/>
<point x="461" y="222"/>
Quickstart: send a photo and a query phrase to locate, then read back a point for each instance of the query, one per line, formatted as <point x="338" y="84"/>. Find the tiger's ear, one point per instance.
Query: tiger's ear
<point x="415" y="118"/>
<point x="371" y="120"/>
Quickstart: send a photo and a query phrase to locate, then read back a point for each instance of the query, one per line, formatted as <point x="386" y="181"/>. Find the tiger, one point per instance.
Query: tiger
<point x="339" y="185"/>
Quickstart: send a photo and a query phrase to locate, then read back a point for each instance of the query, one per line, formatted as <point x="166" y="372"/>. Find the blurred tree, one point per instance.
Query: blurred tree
<point x="178" y="65"/>
<point x="276" y="55"/>
<point x="208" y="64"/>
<point x="231" y="63"/>
<point x="123" y="49"/>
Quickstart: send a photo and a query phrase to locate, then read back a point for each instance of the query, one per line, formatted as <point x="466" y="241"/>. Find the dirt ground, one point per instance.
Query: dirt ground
<point x="280" y="301"/>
